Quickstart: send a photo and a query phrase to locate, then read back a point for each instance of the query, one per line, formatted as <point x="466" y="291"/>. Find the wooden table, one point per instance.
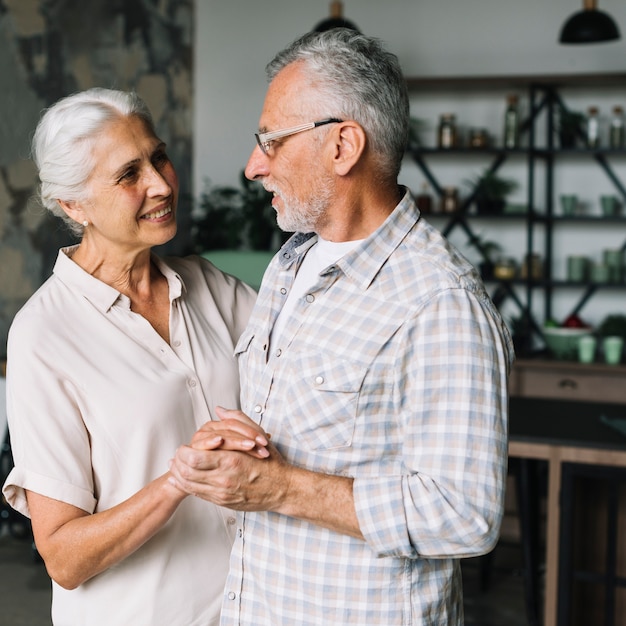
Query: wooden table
<point x="559" y="431"/>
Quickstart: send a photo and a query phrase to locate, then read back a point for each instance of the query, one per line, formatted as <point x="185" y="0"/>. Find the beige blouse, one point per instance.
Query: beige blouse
<point x="97" y="404"/>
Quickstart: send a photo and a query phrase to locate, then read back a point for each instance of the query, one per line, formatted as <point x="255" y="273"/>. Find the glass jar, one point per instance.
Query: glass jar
<point x="424" y="200"/>
<point x="478" y="138"/>
<point x="593" y="127"/>
<point x="511" y="122"/>
<point x="450" y="200"/>
<point x="617" y="134"/>
<point x="505" y="269"/>
<point x="447" y="137"/>
<point x="532" y="267"/>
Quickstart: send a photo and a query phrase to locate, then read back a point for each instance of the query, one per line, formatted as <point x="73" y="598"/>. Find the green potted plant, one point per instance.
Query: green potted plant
<point x="521" y="333"/>
<point x="613" y="325"/>
<point x="612" y="332"/>
<point x="416" y="128"/>
<point x="235" y="228"/>
<point x="570" y="127"/>
<point x="490" y="192"/>
<point x="489" y="252"/>
<point x="235" y="218"/>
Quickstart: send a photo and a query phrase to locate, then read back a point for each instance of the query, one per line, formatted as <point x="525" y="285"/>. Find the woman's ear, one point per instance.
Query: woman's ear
<point x="72" y="209"/>
<point x="349" y="147"/>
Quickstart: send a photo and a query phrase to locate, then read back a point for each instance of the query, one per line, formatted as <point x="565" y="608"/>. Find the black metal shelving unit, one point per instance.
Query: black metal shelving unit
<point x="545" y="103"/>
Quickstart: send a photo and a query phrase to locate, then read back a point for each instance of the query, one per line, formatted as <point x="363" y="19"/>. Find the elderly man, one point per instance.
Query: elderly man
<point x="373" y="358"/>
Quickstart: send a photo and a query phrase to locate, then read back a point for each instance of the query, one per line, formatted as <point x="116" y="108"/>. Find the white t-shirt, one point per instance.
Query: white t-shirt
<point x="321" y="254"/>
<point x="97" y="404"/>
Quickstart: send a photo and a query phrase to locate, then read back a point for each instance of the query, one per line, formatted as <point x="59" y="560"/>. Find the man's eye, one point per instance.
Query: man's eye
<point x="160" y="159"/>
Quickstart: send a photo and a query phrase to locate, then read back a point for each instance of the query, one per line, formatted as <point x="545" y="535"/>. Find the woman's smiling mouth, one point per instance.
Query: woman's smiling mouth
<point x="157" y="214"/>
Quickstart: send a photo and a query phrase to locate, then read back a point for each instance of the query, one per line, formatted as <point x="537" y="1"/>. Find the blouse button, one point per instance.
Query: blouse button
<point x="192" y="383"/>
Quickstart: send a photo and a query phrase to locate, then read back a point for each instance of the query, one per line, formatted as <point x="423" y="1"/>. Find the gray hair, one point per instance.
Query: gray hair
<point x="62" y="146"/>
<point x="358" y="79"/>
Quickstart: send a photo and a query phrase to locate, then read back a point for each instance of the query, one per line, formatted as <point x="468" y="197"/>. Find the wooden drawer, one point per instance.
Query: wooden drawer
<point x="568" y="381"/>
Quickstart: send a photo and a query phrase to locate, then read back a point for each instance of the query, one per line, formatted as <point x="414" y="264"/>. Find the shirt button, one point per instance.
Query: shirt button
<point x="232" y="595"/>
<point x="310" y="297"/>
<point x="283" y="291"/>
<point x="230" y="521"/>
<point x="319" y="380"/>
<point x="258" y="408"/>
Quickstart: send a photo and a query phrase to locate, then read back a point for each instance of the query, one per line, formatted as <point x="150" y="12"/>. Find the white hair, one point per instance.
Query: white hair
<point x="62" y="146"/>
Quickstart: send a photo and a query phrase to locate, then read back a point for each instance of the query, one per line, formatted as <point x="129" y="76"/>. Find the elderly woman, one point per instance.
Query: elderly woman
<point x="112" y="364"/>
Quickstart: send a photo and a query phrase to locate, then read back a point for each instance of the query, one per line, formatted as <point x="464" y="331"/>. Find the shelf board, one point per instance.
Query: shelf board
<point x="561" y="284"/>
<point x="618" y="79"/>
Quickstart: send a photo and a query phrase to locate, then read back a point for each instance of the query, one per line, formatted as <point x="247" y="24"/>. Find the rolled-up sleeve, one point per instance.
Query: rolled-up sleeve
<point x="452" y="403"/>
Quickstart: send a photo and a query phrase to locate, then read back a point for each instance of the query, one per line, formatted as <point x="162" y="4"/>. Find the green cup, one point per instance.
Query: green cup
<point x="587" y="349"/>
<point x="577" y="269"/>
<point x="612" y="348"/>
<point x="569" y="204"/>
<point x="614" y="260"/>
<point x="609" y="205"/>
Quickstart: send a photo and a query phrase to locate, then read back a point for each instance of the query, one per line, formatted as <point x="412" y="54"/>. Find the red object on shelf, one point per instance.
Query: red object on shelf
<point x="573" y="321"/>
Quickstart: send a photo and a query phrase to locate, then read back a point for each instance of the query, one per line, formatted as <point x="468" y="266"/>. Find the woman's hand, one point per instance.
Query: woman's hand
<point x="233" y="431"/>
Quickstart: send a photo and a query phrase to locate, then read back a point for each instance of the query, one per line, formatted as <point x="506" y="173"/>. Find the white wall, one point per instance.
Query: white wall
<point x="236" y="38"/>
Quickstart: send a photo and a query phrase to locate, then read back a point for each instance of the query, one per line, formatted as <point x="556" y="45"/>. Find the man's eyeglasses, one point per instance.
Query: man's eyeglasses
<point x="265" y="140"/>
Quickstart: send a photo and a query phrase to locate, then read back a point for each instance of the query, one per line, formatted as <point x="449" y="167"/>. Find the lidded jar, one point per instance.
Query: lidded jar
<point x="447" y="137"/>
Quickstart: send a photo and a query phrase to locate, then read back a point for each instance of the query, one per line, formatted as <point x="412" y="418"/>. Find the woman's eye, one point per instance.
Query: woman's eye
<point x="127" y="176"/>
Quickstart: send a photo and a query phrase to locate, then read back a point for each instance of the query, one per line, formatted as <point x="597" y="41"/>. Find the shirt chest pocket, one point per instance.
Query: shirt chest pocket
<point x="321" y="401"/>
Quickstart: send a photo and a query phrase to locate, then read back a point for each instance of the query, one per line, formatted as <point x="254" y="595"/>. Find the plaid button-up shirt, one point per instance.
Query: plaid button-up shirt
<point x="392" y="369"/>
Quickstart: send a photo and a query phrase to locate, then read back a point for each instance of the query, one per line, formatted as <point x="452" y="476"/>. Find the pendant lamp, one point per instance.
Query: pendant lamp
<point x="589" y="26"/>
<point x="336" y="19"/>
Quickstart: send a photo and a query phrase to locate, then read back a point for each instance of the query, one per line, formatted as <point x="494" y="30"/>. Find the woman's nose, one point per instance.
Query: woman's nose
<point x="161" y="182"/>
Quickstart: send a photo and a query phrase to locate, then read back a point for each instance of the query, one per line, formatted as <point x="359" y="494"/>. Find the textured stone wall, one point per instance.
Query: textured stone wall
<point x="51" y="48"/>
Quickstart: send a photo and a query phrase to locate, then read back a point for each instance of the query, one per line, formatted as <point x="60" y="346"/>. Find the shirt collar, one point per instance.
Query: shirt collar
<point x="100" y="294"/>
<point x="364" y="262"/>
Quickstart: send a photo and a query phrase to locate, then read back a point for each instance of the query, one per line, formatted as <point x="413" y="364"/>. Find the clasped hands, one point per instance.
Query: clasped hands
<point x="231" y="463"/>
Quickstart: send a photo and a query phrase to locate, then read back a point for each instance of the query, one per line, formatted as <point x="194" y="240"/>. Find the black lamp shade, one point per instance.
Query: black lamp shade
<point x="589" y="26"/>
<point x="334" y="22"/>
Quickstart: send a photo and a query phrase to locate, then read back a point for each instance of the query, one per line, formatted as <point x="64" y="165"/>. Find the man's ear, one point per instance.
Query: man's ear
<point x="72" y="209"/>
<point x="349" y="146"/>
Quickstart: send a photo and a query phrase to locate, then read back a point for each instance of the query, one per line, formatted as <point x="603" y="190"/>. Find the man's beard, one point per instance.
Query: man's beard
<point x="305" y="216"/>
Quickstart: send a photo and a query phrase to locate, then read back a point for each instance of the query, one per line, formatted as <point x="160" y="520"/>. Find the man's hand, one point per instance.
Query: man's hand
<point x="231" y="463"/>
<point x="233" y="431"/>
<point x="231" y="476"/>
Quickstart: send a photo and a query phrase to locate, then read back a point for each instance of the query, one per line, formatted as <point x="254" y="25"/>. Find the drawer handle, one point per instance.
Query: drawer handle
<point x="568" y="383"/>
